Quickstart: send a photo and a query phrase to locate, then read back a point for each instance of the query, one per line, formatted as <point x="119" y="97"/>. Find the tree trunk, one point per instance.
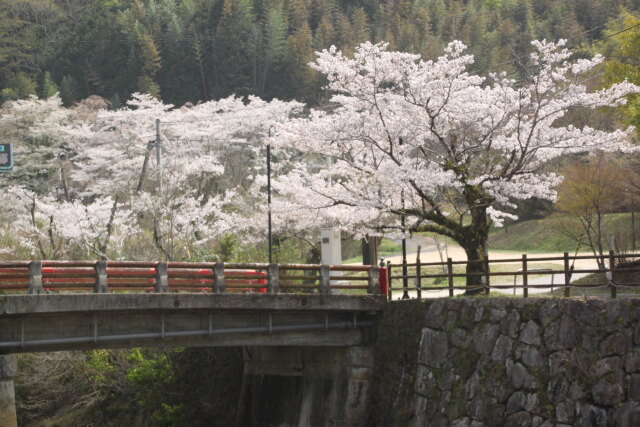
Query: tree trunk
<point x="476" y="255"/>
<point x="474" y="244"/>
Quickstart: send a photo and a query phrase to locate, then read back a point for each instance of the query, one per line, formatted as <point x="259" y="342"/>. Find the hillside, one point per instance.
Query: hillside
<point x="544" y="235"/>
<point x="197" y="50"/>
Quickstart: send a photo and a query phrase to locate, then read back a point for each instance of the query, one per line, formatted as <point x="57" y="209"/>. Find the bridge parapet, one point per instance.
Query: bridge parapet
<point x="37" y="277"/>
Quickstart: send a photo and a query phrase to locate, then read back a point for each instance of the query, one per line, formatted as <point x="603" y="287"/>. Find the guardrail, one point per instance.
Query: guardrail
<point x="37" y="277"/>
<point x="614" y="275"/>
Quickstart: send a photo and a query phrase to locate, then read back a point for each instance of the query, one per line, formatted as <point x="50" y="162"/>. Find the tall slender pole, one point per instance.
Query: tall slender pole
<point x="405" y="270"/>
<point x="633" y="224"/>
<point x="270" y="235"/>
<point x="159" y="156"/>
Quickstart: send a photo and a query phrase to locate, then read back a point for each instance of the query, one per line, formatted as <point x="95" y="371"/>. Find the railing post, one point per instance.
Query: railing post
<point x="418" y="275"/>
<point x="525" y="278"/>
<point x="374" y="281"/>
<point x="35" y="277"/>
<point x="612" y="266"/>
<point x="383" y="280"/>
<point x="101" y="285"/>
<point x="272" y="284"/>
<point x="218" y="284"/>
<point x="450" y="275"/>
<point x="389" y="284"/>
<point x="487" y="283"/>
<point x="325" y="279"/>
<point x="162" y="279"/>
<point x="567" y="276"/>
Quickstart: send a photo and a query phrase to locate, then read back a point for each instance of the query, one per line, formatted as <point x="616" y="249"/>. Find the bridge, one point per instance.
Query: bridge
<point x="82" y="305"/>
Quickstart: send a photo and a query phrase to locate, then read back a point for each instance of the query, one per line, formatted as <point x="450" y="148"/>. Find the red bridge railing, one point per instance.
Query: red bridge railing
<point x="37" y="277"/>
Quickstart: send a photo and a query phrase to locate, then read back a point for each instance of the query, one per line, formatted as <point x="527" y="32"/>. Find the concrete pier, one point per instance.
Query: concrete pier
<point x="8" y="368"/>
<point x="293" y="386"/>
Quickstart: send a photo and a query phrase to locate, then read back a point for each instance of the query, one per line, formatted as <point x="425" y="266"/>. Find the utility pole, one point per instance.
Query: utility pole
<point x="633" y="224"/>
<point x="159" y="156"/>
<point x="270" y="234"/>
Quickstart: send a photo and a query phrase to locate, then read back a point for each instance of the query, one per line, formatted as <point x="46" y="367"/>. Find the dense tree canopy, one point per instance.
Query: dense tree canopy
<point x="198" y="50"/>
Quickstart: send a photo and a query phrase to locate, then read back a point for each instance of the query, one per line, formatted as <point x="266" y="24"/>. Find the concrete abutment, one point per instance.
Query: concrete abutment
<point x="8" y="368"/>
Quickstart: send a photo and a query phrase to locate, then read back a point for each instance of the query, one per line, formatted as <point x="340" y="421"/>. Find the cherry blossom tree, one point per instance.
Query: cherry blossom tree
<point x="110" y="189"/>
<point x="428" y="141"/>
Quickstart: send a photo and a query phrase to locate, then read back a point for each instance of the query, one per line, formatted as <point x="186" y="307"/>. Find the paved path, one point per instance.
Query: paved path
<point x="542" y="280"/>
<point x="429" y="253"/>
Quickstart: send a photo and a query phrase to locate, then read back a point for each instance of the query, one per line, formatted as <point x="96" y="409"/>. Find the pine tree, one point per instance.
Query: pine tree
<point x="49" y="87"/>
<point x="69" y="90"/>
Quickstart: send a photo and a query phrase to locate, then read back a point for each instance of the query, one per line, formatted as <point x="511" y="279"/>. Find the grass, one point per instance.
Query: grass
<point x="620" y="278"/>
<point x="386" y="248"/>
<point x="543" y="235"/>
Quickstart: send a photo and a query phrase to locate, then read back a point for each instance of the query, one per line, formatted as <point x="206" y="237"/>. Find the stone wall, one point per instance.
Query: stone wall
<point x="507" y="361"/>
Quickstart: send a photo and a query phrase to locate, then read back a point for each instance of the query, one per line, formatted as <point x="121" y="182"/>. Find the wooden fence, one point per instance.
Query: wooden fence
<point x="37" y="277"/>
<point x="439" y="278"/>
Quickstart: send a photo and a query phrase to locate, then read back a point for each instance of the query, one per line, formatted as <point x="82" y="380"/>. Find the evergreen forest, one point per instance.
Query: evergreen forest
<point x="187" y="51"/>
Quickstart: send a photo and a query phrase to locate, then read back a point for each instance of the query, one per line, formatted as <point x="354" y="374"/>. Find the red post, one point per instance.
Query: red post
<point x="382" y="280"/>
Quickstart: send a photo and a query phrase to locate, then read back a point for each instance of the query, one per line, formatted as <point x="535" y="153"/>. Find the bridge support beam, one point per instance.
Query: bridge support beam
<point x="296" y="386"/>
<point x="8" y="369"/>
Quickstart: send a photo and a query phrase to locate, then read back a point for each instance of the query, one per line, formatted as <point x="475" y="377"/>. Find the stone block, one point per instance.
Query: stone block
<point x="617" y="343"/>
<point x="558" y="362"/>
<point x="591" y="416"/>
<point x="562" y="334"/>
<point x="531" y="356"/>
<point x="636" y="334"/>
<point x="484" y="337"/>
<point x="495" y="315"/>
<point x="435" y="314"/>
<point x="519" y="419"/>
<point x="510" y="324"/>
<point x="502" y="349"/>
<point x="628" y="415"/>
<point x="607" y="394"/>
<point x="433" y="348"/>
<point x="519" y="376"/>
<point x="531" y="333"/>
<point x="565" y="412"/>
<point x="460" y="338"/>
<point x="632" y="361"/>
<point x="607" y="365"/>
<point x="634" y="387"/>
<point x="549" y="312"/>
<point x="516" y="402"/>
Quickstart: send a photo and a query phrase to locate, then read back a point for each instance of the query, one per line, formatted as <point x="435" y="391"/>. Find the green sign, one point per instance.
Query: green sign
<point x="6" y="157"/>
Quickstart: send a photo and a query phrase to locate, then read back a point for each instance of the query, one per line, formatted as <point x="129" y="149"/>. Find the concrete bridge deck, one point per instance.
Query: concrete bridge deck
<point x="49" y="322"/>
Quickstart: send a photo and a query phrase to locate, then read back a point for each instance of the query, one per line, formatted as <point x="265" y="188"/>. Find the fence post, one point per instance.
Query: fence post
<point x="525" y="278"/>
<point x="389" y="289"/>
<point x="35" y="277"/>
<point x="612" y="266"/>
<point x="450" y="274"/>
<point x="374" y="283"/>
<point x="486" y="275"/>
<point x="218" y="284"/>
<point x="418" y="275"/>
<point x="325" y="279"/>
<point x="162" y="279"/>
<point x="101" y="286"/>
<point x="567" y="276"/>
<point x="272" y="284"/>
